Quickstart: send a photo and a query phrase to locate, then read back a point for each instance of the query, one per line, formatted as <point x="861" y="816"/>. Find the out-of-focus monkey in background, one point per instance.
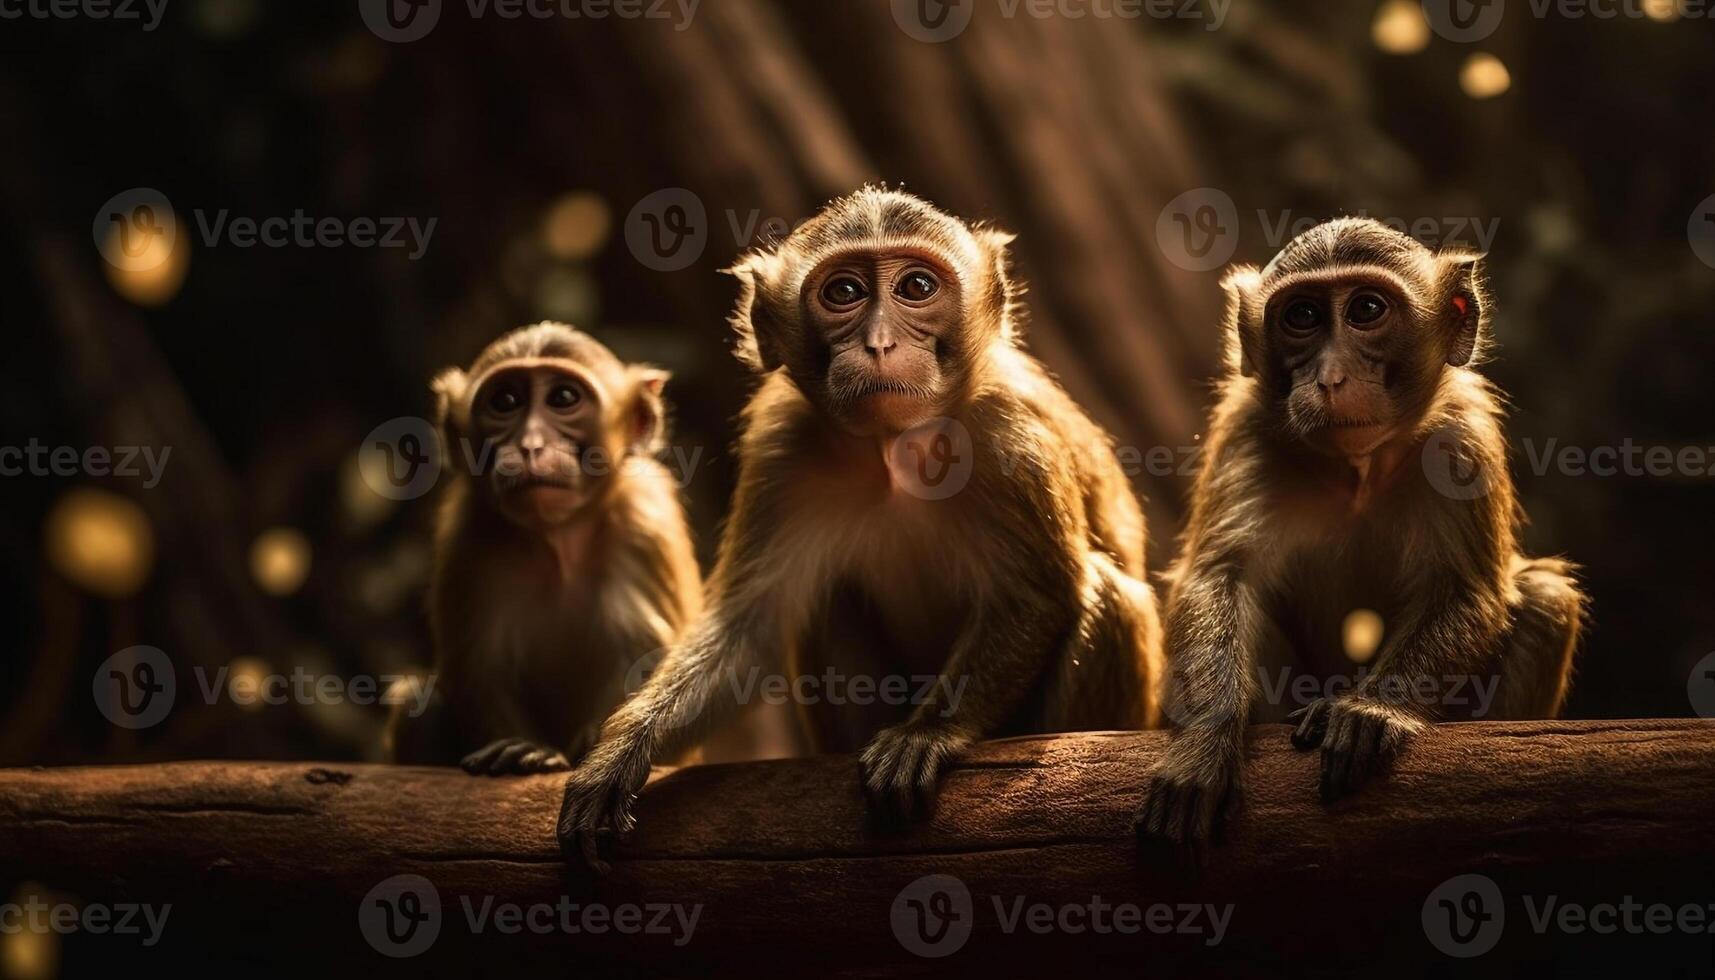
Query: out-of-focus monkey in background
<point x="562" y="556"/>
<point x="886" y="334"/>
<point x="1355" y="461"/>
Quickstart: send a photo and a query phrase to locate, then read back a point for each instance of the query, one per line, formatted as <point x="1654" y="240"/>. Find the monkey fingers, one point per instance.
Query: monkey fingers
<point x="902" y="768"/>
<point x="1312" y="724"/>
<point x="1361" y="742"/>
<point x="1183" y="810"/>
<point x="513" y="756"/>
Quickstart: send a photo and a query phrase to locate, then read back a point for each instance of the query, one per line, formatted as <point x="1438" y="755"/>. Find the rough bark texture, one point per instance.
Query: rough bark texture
<point x="272" y="861"/>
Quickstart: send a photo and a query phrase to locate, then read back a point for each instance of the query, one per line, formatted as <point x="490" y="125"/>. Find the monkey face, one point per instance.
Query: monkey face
<point x="885" y="318"/>
<point x="1350" y="329"/>
<point x="539" y="435"/>
<point x="1347" y="347"/>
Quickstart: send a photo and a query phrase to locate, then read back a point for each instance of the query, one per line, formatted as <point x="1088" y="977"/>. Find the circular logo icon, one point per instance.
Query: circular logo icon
<point x="135" y="687"/>
<point x="136" y="229"/>
<point x="1701" y="687"/>
<point x="933" y="21"/>
<point x="932" y="460"/>
<point x="1464" y="916"/>
<point x="1452" y="469"/>
<point x="1701" y="231"/>
<point x="1464" y="21"/>
<point x="668" y="230"/>
<point x="1199" y="229"/>
<point x="401" y="459"/>
<point x="401" y="916"/>
<point x="932" y="917"/>
<point x="400" y="21"/>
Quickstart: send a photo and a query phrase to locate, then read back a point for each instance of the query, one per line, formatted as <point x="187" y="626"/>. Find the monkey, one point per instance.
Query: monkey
<point x="562" y="557"/>
<point x="1355" y="460"/>
<point x="885" y="336"/>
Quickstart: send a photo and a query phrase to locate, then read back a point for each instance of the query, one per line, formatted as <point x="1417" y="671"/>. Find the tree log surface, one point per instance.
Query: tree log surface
<point x="270" y="862"/>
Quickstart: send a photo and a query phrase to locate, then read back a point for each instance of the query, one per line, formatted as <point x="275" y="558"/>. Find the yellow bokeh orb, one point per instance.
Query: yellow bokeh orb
<point x="1484" y="76"/>
<point x="576" y="226"/>
<point x="280" y="561"/>
<point x="155" y="273"/>
<point x="1400" y="27"/>
<point x="29" y="950"/>
<point x="101" y="541"/>
<point x="1361" y="634"/>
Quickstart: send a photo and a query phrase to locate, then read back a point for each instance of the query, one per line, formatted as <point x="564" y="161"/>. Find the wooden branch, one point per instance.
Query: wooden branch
<point x="792" y="879"/>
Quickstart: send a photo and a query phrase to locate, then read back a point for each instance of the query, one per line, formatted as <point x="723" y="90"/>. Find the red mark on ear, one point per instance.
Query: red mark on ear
<point x="1462" y="304"/>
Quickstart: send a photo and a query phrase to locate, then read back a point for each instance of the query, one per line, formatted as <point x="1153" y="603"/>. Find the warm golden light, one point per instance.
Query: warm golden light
<point x="245" y="678"/>
<point x="362" y="504"/>
<point x="280" y="561"/>
<point x="154" y="274"/>
<point x="1361" y="634"/>
<point x="1662" y="10"/>
<point x="1400" y="27"/>
<point x="101" y="541"/>
<point x="1484" y="77"/>
<point x="30" y="950"/>
<point x="576" y="226"/>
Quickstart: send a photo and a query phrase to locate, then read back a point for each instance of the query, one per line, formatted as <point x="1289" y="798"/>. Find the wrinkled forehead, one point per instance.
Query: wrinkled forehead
<point x="869" y="226"/>
<point x="1328" y="280"/>
<point x="601" y="384"/>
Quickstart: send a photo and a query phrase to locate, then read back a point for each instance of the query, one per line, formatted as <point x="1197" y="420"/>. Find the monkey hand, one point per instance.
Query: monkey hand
<point x="1189" y="794"/>
<point x="1359" y="735"/>
<point x="513" y="757"/>
<point x="598" y="801"/>
<point x="902" y="766"/>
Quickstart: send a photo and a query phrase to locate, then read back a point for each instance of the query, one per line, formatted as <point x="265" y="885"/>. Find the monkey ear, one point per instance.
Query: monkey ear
<point x="1243" y="285"/>
<point x="997" y="256"/>
<point x="758" y="342"/>
<point x="451" y="388"/>
<point x="1464" y="308"/>
<point x="648" y="418"/>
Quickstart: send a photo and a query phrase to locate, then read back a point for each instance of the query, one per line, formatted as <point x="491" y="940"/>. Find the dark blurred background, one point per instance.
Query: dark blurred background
<point x="543" y="148"/>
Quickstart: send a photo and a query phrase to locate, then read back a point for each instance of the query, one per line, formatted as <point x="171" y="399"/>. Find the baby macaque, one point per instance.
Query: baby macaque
<point x="561" y="553"/>
<point x="1355" y="462"/>
<point x="916" y="496"/>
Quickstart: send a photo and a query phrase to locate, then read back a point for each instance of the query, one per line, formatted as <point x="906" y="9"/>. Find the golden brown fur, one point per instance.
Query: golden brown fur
<point x="1291" y="529"/>
<point x="1024" y="591"/>
<point x="536" y="626"/>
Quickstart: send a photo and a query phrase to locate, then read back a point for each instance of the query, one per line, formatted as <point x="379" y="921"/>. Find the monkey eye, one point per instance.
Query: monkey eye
<point x="564" y="395"/>
<point x="1302" y="316"/>
<point x="1365" y="309"/>
<point x="918" y="286"/>
<point x="504" y="400"/>
<point x="842" y="291"/>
